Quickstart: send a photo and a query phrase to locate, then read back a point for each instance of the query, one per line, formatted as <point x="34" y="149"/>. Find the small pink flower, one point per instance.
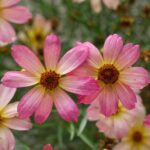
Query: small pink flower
<point x="117" y="125"/>
<point x="10" y="12"/>
<point x="114" y="72"/>
<point x="48" y="147"/>
<point x="9" y="119"/>
<point x="138" y="138"/>
<point x="50" y="81"/>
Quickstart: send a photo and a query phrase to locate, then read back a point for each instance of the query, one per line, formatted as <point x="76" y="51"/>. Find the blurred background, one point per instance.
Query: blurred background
<point x="74" y="21"/>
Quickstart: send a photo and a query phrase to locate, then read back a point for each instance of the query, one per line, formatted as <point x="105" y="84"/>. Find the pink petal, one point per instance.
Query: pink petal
<point x="95" y="57"/>
<point x="88" y="99"/>
<point x="52" y="51"/>
<point x="6" y="94"/>
<point x="48" y="147"/>
<point x="10" y="110"/>
<point x="108" y="101"/>
<point x="65" y="106"/>
<point x="8" y="3"/>
<point x="129" y="55"/>
<point x="96" y="5"/>
<point x="7" y="33"/>
<point x="135" y="77"/>
<point x="18" y="124"/>
<point x="72" y="59"/>
<point x="7" y="138"/>
<point x="85" y="70"/>
<point x="27" y="59"/>
<point x="19" y="79"/>
<point x="112" y="4"/>
<point x="44" y="109"/>
<point x="112" y="47"/>
<point x="79" y="85"/>
<point x="147" y="121"/>
<point x="93" y="111"/>
<point x="40" y="22"/>
<point x="30" y="102"/>
<point x="14" y="14"/>
<point x="126" y="95"/>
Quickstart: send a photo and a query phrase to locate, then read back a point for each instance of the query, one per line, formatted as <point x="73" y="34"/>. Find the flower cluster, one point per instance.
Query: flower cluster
<point x="104" y="79"/>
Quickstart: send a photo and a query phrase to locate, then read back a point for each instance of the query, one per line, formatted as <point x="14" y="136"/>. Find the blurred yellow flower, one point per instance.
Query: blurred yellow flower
<point x="34" y="35"/>
<point x="137" y="139"/>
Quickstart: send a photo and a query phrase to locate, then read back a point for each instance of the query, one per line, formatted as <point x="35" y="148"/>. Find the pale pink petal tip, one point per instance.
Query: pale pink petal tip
<point x="48" y="147"/>
<point x="147" y="121"/>
<point x="112" y="47"/>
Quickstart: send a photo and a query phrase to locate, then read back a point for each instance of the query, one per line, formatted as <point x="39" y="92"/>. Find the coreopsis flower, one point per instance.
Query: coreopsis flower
<point x="114" y="72"/>
<point x="9" y="119"/>
<point x="138" y="138"/>
<point x="49" y="81"/>
<point x="48" y="147"/>
<point x="10" y="12"/>
<point x="97" y="4"/>
<point x="35" y="34"/>
<point x="118" y="124"/>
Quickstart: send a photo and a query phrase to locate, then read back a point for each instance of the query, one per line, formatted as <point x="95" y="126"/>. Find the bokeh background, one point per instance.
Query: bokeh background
<point x="77" y="22"/>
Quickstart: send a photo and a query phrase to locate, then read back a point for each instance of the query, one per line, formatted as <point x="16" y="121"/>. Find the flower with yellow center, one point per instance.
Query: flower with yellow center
<point x="50" y="80"/>
<point x="138" y="138"/>
<point x="35" y="34"/>
<point x="114" y="73"/>
<point x="9" y="119"/>
<point x="118" y="124"/>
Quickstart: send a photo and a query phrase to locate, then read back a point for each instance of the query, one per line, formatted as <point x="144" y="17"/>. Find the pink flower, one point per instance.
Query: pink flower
<point x="50" y="81"/>
<point x="48" y="147"/>
<point x="9" y="119"/>
<point x="114" y="72"/>
<point x="10" y="12"/>
<point x="138" y="138"/>
<point x="117" y="125"/>
<point x="97" y="4"/>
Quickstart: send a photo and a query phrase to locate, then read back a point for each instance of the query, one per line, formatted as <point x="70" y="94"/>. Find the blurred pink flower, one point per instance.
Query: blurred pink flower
<point x="117" y="125"/>
<point x="138" y="138"/>
<point x="114" y="72"/>
<point x="9" y="119"/>
<point x="48" y="147"/>
<point x="50" y="81"/>
<point x="10" y="12"/>
<point x="97" y="4"/>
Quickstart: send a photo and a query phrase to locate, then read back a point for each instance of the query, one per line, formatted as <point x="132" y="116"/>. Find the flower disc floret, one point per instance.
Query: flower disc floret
<point x="50" y="80"/>
<point x="108" y="74"/>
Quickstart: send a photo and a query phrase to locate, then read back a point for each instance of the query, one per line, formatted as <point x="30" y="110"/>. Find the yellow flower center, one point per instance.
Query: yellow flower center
<point x="108" y="74"/>
<point x="50" y="80"/>
<point x="137" y="136"/>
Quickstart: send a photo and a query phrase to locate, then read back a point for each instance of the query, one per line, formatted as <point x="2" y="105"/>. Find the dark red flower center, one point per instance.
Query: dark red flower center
<point x="50" y="80"/>
<point x="108" y="74"/>
<point x="137" y="136"/>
